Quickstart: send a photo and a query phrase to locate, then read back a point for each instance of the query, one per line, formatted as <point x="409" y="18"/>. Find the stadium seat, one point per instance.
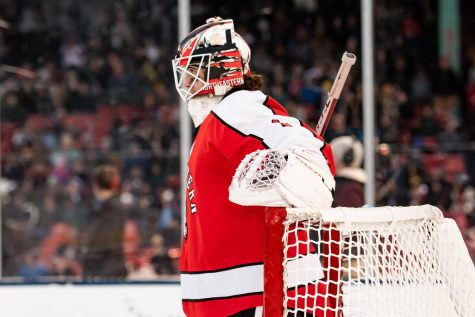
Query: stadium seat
<point x="60" y="234"/>
<point x="7" y="129"/>
<point x="454" y="164"/>
<point x="82" y="122"/>
<point x="39" y="122"/>
<point x="131" y="240"/>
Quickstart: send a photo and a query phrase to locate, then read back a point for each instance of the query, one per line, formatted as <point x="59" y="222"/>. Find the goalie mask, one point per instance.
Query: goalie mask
<point x="210" y="61"/>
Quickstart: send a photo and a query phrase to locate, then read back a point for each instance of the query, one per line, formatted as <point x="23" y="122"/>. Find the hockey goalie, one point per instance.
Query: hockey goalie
<point x="221" y="265"/>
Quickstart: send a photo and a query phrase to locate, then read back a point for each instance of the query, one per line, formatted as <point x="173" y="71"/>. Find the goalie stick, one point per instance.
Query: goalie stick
<point x="275" y="217"/>
<point x="347" y="60"/>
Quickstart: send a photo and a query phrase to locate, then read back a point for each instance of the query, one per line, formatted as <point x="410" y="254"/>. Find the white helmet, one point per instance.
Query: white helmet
<point x="209" y="62"/>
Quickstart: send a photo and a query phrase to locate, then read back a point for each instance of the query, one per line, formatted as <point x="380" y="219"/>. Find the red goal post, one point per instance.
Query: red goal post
<point x="383" y="261"/>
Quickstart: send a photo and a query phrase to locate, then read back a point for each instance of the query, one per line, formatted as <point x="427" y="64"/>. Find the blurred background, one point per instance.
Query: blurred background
<point x="89" y="83"/>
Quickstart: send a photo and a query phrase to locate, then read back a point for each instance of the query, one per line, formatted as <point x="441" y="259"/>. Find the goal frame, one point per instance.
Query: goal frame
<point x="274" y="242"/>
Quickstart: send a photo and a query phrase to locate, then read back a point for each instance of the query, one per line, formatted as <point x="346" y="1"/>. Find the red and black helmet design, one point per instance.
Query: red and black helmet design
<point x="211" y="60"/>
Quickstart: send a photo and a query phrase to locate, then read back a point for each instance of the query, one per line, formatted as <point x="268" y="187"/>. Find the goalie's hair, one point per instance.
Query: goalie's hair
<point x="253" y="82"/>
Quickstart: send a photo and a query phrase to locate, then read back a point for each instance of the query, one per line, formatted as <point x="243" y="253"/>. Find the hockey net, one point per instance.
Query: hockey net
<point x="384" y="261"/>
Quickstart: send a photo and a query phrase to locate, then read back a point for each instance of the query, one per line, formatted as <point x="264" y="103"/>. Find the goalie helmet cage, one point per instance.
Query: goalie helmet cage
<point x="383" y="261"/>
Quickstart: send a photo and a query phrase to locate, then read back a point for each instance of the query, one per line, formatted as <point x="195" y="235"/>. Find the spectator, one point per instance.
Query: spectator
<point x="80" y="96"/>
<point x="104" y="231"/>
<point x="350" y="177"/>
<point x="446" y="85"/>
<point x="32" y="267"/>
<point x="428" y="125"/>
<point x="12" y="110"/>
<point x="121" y="81"/>
<point x="161" y="261"/>
<point x="94" y="56"/>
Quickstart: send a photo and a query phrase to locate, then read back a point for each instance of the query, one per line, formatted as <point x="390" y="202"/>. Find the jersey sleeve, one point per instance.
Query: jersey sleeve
<point x="253" y="114"/>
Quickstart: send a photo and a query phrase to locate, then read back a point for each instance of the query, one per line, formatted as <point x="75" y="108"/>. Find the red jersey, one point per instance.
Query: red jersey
<point x="223" y="243"/>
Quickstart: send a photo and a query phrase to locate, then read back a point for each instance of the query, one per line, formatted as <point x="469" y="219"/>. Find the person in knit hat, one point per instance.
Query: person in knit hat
<point x="350" y="177"/>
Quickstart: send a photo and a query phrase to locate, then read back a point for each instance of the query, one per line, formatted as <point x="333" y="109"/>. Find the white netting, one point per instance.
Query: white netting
<point x="399" y="267"/>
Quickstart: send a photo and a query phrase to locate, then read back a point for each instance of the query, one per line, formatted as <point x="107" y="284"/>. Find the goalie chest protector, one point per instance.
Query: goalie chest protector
<point x="223" y="247"/>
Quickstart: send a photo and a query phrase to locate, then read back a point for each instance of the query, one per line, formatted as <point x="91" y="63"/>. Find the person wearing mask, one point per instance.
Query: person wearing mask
<point x="223" y="241"/>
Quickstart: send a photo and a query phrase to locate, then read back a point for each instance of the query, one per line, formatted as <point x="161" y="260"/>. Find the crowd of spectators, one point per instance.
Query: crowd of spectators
<point x="85" y="83"/>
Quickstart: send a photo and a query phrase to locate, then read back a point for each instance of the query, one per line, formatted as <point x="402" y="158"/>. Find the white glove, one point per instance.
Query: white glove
<point x="294" y="178"/>
<point x="306" y="180"/>
<point x="254" y="179"/>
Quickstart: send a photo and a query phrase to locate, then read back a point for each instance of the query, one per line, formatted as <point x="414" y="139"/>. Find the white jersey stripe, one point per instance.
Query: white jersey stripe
<point x="258" y="312"/>
<point x="310" y="270"/>
<point x="233" y="282"/>
<point x="247" y="279"/>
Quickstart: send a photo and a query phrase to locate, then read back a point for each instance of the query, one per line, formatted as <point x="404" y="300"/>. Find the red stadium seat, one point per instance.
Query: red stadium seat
<point x="131" y="240"/>
<point x="82" y="122"/>
<point x="60" y="234"/>
<point x="450" y="164"/>
<point x="107" y="114"/>
<point x="454" y="164"/>
<point x="39" y="122"/>
<point x="432" y="162"/>
<point x="7" y="130"/>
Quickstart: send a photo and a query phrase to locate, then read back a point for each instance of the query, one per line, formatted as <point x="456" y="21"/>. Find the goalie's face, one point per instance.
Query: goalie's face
<point x="191" y="79"/>
<point x="194" y="79"/>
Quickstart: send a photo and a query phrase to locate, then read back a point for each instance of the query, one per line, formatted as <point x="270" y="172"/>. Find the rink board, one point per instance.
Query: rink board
<point x="164" y="300"/>
<point x="80" y="300"/>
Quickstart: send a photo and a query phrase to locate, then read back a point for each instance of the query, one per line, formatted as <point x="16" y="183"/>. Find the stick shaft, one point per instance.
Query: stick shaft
<point x="347" y="60"/>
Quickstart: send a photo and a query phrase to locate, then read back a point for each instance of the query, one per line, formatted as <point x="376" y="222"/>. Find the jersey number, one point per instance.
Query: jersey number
<point x="284" y="124"/>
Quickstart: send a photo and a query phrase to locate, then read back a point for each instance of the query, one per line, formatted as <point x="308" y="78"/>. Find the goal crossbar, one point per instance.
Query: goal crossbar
<point x="367" y="214"/>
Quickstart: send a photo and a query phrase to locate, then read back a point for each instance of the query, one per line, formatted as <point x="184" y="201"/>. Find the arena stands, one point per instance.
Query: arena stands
<point x="95" y="86"/>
